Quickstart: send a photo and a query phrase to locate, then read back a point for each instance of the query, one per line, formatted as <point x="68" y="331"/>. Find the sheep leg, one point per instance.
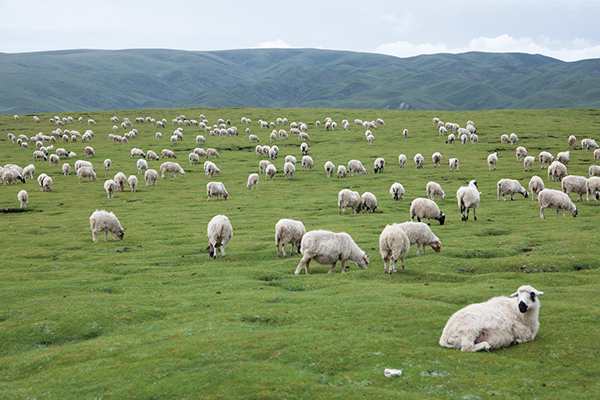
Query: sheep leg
<point x="95" y="236"/>
<point x="283" y="249"/>
<point x="403" y="258"/>
<point x="474" y="215"/>
<point x="542" y="215"/>
<point x="333" y="266"/>
<point x="277" y="247"/>
<point x="106" y="236"/>
<point x="303" y="263"/>
<point x="423" y="252"/>
<point x="223" y="251"/>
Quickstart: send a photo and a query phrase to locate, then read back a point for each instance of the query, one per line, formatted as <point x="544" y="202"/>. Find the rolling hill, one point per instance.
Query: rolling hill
<point x="97" y="80"/>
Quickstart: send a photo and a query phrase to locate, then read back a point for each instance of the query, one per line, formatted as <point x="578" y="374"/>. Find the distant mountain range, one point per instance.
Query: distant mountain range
<point x="94" y="80"/>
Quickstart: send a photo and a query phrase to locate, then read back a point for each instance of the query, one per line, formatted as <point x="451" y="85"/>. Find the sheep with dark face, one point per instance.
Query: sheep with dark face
<point x="425" y="208"/>
<point x="219" y="231"/>
<point x="379" y="164"/>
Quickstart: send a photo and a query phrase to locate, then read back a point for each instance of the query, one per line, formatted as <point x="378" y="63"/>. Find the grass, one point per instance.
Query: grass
<point x="152" y="316"/>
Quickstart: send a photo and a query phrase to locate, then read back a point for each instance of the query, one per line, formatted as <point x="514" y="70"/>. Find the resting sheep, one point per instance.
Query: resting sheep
<point x="434" y="189"/>
<point x="536" y="185"/>
<point x="173" y="167"/>
<point x="219" y="232"/>
<point x="557" y="200"/>
<point x="510" y="186"/>
<point x="103" y="221"/>
<point x="425" y="208"/>
<point x="289" y="231"/>
<point x="349" y="198"/>
<point x="327" y="247"/>
<point x="397" y="191"/>
<point x="576" y="184"/>
<point x="496" y="324"/>
<point x="393" y="245"/>
<point x="421" y="234"/>
<point x="468" y="197"/>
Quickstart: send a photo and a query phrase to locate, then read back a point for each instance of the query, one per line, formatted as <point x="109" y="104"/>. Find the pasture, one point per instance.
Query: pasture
<point x="153" y="316"/>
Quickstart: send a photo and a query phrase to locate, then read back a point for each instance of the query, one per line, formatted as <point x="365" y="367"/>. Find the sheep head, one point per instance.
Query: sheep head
<point x="441" y="218"/>
<point x="437" y="246"/>
<point x="526" y="298"/>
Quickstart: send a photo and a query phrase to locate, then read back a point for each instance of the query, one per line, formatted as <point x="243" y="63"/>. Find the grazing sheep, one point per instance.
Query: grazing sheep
<point x="200" y="139"/>
<point x="252" y="181"/>
<point x="40" y="179"/>
<point x="173" y="167"/>
<point x="304" y="148"/>
<point x="557" y="171"/>
<point x="86" y="172"/>
<point x="29" y="171"/>
<point x="349" y="198"/>
<point x="151" y="155"/>
<point x="421" y="234"/>
<point x="504" y="139"/>
<point x="111" y="187"/>
<point x="436" y="158"/>
<point x="419" y="160"/>
<point x="557" y="200"/>
<point x="216" y="189"/>
<point x="492" y="160"/>
<point x="368" y="202"/>
<point x="210" y="169"/>
<point x="474" y="138"/>
<point x="327" y="247"/>
<point x="510" y="186"/>
<point x="135" y="152"/>
<point x="89" y="151"/>
<point x="379" y="164"/>
<point x="520" y="152"/>
<point x="594" y="170"/>
<point x="66" y="168"/>
<point x="536" y="185"/>
<point x="39" y="155"/>
<point x="104" y="221"/>
<point x="401" y="160"/>
<point x="563" y="157"/>
<point x="303" y="136"/>
<point x="425" y="208"/>
<point x="107" y="164"/>
<point x="341" y="171"/>
<point x="194" y="158"/>
<point x="514" y="139"/>
<point x="451" y="138"/>
<point x="142" y="165"/>
<point x="393" y="245"/>
<point x="212" y="152"/>
<point x="356" y="166"/>
<point x="405" y="133"/>
<point x="495" y="324"/>
<point x="289" y="231"/>
<point x="593" y="187"/>
<point x="253" y="138"/>
<point x="121" y="180"/>
<point x="307" y="163"/>
<point x="132" y="181"/>
<point x="150" y="176"/>
<point x="219" y="232"/>
<point x="270" y="172"/>
<point x="54" y="160"/>
<point x="289" y="169"/>
<point x="576" y="184"/>
<point x="596" y="156"/>
<point x="397" y="191"/>
<point x="589" y="144"/>
<point x="528" y="163"/>
<point x="329" y="168"/>
<point x="453" y="163"/>
<point x="262" y="165"/>
<point x="545" y="158"/>
<point x="434" y="189"/>
<point x="370" y="139"/>
<point x="168" y="153"/>
<point x="47" y="184"/>
<point x="468" y="197"/>
<point x="572" y="140"/>
<point x="23" y="198"/>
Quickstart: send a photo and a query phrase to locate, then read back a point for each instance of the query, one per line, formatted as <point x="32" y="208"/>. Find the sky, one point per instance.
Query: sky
<point x="564" y="29"/>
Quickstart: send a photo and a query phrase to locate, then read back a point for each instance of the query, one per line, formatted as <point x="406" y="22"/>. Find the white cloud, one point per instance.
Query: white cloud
<point x="276" y="44"/>
<point x="573" y="50"/>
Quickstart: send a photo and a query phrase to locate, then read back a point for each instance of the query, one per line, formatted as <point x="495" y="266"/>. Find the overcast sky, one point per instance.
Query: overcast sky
<point x="565" y="29"/>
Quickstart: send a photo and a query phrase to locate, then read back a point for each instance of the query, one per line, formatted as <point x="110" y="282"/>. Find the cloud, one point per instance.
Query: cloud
<point x="573" y="50"/>
<point x="277" y="44"/>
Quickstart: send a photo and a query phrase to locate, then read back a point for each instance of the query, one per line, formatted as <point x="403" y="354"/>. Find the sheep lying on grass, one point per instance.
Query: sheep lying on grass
<point x="421" y="234"/>
<point x="289" y="231"/>
<point x="496" y="324"/>
<point x="219" y="232"/>
<point x="104" y="221"/>
<point x="393" y="245"/>
<point x="327" y="247"/>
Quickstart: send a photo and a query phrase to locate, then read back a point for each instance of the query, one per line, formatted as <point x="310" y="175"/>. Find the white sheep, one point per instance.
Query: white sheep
<point x="425" y="208"/>
<point x="563" y="157"/>
<point x="510" y="186"/>
<point x="252" y="181"/>
<point x="47" y="184"/>
<point x="572" y="139"/>
<point x="262" y="165"/>
<point x="528" y="163"/>
<point x="397" y="191"/>
<point x="393" y="246"/>
<point x="304" y="148"/>
<point x="132" y="181"/>
<point x="434" y="189"/>
<point x="303" y="136"/>
<point x="89" y="151"/>
<point x="219" y="232"/>
<point x="151" y="155"/>
<point x="453" y="163"/>
<point x="468" y="197"/>
<point x="168" y="153"/>
<point x="121" y="180"/>
<point x="356" y="166"/>
<point x="270" y="172"/>
<point x="370" y="139"/>
<point x="401" y="160"/>
<point x="142" y="165"/>
<point x="200" y="139"/>
<point x="557" y="171"/>
<point x="514" y="139"/>
<point x="135" y="152"/>
<point x="307" y="163"/>
<point x="575" y="184"/>
<point x="504" y="138"/>
<point x="589" y="144"/>
<point x="193" y="158"/>
<point x="593" y="187"/>
<point x="329" y="169"/>
<point x="378" y="164"/>
<point x="66" y="168"/>
<point x="421" y="234"/>
<point x="53" y="160"/>
<point x="104" y="221"/>
<point x="520" y="152"/>
<point x="341" y="171"/>
<point x="173" y="167"/>
<point x="536" y="185"/>
<point x="212" y="152"/>
<point x="545" y="158"/>
<point x="368" y="202"/>
<point x="289" y="169"/>
<point x="594" y="170"/>
<point x="436" y="158"/>
<point x="111" y="187"/>
<point x="451" y="138"/>
<point x="107" y="164"/>
<point x="86" y="172"/>
<point x="29" y="171"/>
<point x="253" y="138"/>
<point x="40" y="179"/>
<point x="216" y="189"/>
<point x="492" y="160"/>
<point x="496" y="324"/>
<point x="327" y="247"/>
<point x="418" y="160"/>
<point x="150" y="176"/>
<point x="557" y="200"/>
<point x="405" y="133"/>
<point x="349" y="198"/>
<point x="289" y="231"/>
<point x="23" y="198"/>
<point x="39" y="155"/>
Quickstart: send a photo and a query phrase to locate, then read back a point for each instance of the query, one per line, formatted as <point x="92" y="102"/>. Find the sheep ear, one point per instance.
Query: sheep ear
<point x="514" y="294"/>
<point x="538" y="293"/>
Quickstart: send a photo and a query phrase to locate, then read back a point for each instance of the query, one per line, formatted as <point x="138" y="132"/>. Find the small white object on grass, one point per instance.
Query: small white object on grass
<point x="389" y="372"/>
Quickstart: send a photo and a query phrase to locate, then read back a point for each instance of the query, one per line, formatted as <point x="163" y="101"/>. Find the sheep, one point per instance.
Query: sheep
<point x="496" y="324"/>
<point x="453" y="163"/>
<point x="210" y="169"/>
<point x="379" y="164"/>
<point x="168" y="153"/>
<point x="436" y="158"/>
<point x="326" y="247"/>
<point x="520" y="152"/>
<point x="401" y="160"/>
<point x="303" y="136"/>
<point x="142" y="165"/>
<point x="587" y="144"/>
<point x="545" y="158"/>
<point x="219" y="232"/>
<point x="425" y="208"/>
<point x="536" y="185"/>
<point x="135" y="152"/>
<point x="393" y="245"/>
<point x="289" y="231"/>
<point x="53" y="160"/>
<point x="89" y="151"/>
<point x="262" y="165"/>
<point x="29" y="171"/>
<point x="510" y="186"/>
<point x="39" y="155"/>
<point x="104" y="221"/>
<point x="10" y="176"/>
<point x="563" y="157"/>
<point x="421" y="234"/>
<point x="370" y="139"/>
<point x="66" y="169"/>
<point x="572" y="139"/>
<point x="405" y="133"/>
<point x="368" y="202"/>
<point x="132" y="181"/>
<point x="594" y="170"/>
<point x="593" y="187"/>
<point x="349" y="198"/>
<point x="576" y="184"/>
<point x="86" y="172"/>
<point x="200" y="139"/>
<point x="528" y="163"/>
<point x="150" y="176"/>
<point x="504" y="138"/>
<point x="173" y="167"/>
<point x="304" y="148"/>
<point x="252" y="181"/>
<point x="434" y="189"/>
<point x="111" y="187"/>
<point x="107" y="164"/>
<point x="121" y="180"/>
<point x="151" y="155"/>
<point x="451" y="138"/>
<point x="270" y="172"/>
<point x="47" y="184"/>
<point x="212" y="152"/>
<point x="289" y="169"/>
<point x="253" y="138"/>
<point x="23" y="198"/>
<point x="329" y="169"/>
<point x="492" y="160"/>
<point x="468" y="197"/>
<point x="307" y="163"/>
<point x="194" y="158"/>
<point x="397" y="191"/>
<point x="356" y="166"/>
<point x="216" y="189"/>
<point x="443" y="131"/>
<point x="514" y="139"/>
<point x="341" y="171"/>
<point x="419" y="160"/>
<point x="273" y="152"/>
<point x="557" y="200"/>
<point x="41" y="179"/>
<point x="557" y="171"/>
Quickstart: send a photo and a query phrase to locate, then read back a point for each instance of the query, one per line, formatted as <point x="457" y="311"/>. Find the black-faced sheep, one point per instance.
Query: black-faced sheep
<point x="379" y="164"/>
<point x="397" y="191"/>
<point x="368" y="202"/>
<point x="425" y="208"/>
<point x="219" y="232"/>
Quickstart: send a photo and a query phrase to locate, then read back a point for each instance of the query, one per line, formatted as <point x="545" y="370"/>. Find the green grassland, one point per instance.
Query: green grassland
<point x="153" y="317"/>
